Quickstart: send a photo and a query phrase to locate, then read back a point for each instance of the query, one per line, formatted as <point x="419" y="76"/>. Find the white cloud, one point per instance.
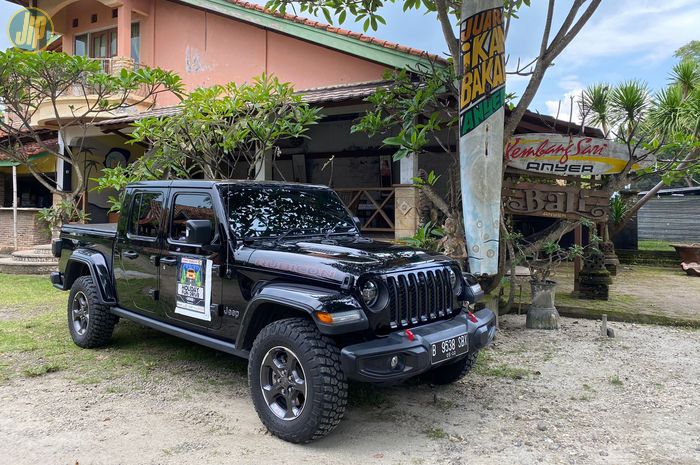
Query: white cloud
<point x="562" y="109"/>
<point x="650" y="30"/>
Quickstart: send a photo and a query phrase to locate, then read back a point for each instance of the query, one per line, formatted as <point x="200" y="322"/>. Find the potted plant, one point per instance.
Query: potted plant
<point x="542" y="264"/>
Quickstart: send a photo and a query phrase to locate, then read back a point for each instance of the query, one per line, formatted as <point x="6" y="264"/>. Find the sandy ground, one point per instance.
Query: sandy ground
<point x="583" y="399"/>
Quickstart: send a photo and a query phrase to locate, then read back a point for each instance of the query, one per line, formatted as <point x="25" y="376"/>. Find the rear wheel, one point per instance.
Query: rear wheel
<point x="89" y="323"/>
<point x="448" y="374"/>
<point x="296" y="380"/>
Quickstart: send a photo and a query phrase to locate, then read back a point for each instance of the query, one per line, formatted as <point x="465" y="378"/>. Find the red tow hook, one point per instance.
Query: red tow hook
<point x="472" y="317"/>
<point x="409" y="334"/>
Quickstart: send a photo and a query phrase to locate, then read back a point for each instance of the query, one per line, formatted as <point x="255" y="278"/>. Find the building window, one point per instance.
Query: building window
<point x="115" y="13"/>
<point x="80" y="47"/>
<point x="75" y="22"/>
<point x="113" y="43"/>
<point x="146" y="210"/>
<point x="136" y="42"/>
<point x="93" y="18"/>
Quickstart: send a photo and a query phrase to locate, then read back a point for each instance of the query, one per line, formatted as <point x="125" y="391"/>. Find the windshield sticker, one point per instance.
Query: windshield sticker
<point x="194" y="288"/>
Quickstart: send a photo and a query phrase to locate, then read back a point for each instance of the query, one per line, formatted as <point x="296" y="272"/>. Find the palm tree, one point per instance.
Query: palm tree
<point x="596" y="100"/>
<point x="686" y="74"/>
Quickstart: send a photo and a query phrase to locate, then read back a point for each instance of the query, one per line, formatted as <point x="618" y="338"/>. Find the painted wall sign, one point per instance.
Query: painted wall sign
<point x="569" y="155"/>
<point x="481" y="130"/>
<point x="554" y="201"/>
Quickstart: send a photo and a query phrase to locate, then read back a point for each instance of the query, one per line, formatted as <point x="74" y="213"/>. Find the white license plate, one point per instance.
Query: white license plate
<point x="449" y="348"/>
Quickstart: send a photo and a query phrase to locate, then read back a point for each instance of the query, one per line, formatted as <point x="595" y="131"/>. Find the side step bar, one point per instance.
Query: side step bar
<point x="180" y="332"/>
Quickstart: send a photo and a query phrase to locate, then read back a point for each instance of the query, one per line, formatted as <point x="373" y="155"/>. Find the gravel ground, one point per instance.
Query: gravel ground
<point x="567" y="396"/>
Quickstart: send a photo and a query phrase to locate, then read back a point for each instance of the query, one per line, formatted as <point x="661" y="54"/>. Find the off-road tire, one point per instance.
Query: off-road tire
<point x="448" y="374"/>
<point x="326" y="384"/>
<point x="100" y="322"/>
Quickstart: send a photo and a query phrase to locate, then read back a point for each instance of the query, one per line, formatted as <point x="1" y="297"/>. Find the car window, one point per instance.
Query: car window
<point x="190" y="207"/>
<point x="146" y="210"/>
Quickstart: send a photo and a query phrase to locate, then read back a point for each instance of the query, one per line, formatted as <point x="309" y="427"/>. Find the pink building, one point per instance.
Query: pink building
<point x="216" y="41"/>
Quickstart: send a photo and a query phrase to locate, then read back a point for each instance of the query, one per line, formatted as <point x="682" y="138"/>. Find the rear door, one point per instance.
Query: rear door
<point x="137" y="250"/>
<point x="190" y="279"/>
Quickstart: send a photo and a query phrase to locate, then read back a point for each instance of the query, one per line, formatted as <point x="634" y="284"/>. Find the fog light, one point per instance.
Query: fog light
<point x="394" y="362"/>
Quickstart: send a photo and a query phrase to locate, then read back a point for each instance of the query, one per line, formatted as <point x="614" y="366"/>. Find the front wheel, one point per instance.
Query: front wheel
<point x="296" y="380"/>
<point x="448" y="374"/>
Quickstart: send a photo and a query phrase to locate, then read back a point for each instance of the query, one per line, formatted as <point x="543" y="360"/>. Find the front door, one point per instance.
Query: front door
<point x="137" y="251"/>
<point x="190" y="280"/>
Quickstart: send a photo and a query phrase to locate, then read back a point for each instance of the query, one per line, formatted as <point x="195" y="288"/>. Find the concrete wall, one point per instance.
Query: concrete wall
<point x="207" y="49"/>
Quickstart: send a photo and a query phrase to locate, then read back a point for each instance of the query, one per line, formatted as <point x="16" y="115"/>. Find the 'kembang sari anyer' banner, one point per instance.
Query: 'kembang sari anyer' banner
<point x="482" y="42"/>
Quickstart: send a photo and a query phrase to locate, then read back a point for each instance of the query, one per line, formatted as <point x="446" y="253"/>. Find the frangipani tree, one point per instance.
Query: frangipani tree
<point x="217" y="130"/>
<point x="33" y="81"/>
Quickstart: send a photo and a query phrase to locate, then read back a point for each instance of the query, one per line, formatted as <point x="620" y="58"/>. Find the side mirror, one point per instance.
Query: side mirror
<point x="198" y="232"/>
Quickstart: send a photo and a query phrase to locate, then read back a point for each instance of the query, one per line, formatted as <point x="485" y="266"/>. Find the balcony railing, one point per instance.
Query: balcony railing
<point x="373" y="205"/>
<point x="109" y="66"/>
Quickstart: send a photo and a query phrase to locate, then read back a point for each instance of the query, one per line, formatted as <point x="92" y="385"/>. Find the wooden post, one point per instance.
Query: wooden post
<point x="578" y="239"/>
<point x="14" y="205"/>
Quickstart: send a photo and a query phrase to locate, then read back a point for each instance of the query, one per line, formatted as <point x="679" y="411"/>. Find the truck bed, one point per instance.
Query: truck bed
<point x="95" y="229"/>
<point x="98" y="237"/>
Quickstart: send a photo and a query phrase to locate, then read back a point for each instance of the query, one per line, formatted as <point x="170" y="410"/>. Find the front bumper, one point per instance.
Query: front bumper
<point x="370" y="361"/>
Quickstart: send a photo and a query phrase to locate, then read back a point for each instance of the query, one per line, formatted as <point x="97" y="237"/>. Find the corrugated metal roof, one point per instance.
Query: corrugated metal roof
<point x="316" y="95"/>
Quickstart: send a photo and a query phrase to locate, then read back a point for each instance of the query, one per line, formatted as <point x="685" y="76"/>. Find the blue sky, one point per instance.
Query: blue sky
<point x="625" y="39"/>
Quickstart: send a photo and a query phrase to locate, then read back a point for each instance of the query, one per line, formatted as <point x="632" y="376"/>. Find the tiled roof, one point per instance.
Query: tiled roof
<point x="32" y="148"/>
<point x="340" y="31"/>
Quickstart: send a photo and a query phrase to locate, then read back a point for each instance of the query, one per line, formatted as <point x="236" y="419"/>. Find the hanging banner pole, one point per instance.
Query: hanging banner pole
<point x="482" y="89"/>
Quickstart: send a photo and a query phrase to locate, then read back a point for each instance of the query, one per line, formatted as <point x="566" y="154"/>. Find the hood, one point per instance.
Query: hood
<point x="336" y="259"/>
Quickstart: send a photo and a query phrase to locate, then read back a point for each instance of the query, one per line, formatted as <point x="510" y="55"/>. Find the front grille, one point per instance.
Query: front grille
<point x="417" y="297"/>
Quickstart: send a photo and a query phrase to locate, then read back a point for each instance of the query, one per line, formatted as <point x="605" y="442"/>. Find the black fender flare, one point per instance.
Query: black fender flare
<point x="305" y="300"/>
<point x="99" y="270"/>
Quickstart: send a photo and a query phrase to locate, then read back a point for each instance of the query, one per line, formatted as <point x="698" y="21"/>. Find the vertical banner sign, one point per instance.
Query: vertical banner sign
<point x="482" y="42"/>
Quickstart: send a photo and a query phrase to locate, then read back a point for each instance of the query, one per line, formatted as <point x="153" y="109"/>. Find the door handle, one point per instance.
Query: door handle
<point x="130" y="254"/>
<point x="170" y="261"/>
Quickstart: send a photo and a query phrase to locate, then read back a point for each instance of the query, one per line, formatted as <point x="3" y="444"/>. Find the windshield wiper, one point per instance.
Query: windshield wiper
<point x="289" y="231"/>
<point x="338" y="225"/>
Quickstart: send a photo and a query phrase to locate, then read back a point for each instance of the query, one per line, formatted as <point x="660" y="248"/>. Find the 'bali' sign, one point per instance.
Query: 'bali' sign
<point x="569" y="155"/>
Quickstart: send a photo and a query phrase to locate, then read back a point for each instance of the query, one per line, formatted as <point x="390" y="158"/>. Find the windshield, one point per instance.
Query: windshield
<point x="270" y="211"/>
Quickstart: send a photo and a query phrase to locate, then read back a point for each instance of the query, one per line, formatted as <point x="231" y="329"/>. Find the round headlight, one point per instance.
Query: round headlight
<point x="369" y="291"/>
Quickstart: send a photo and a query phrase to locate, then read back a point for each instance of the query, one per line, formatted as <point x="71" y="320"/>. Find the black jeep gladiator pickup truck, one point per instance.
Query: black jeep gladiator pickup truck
<point x="279" y="274"/>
